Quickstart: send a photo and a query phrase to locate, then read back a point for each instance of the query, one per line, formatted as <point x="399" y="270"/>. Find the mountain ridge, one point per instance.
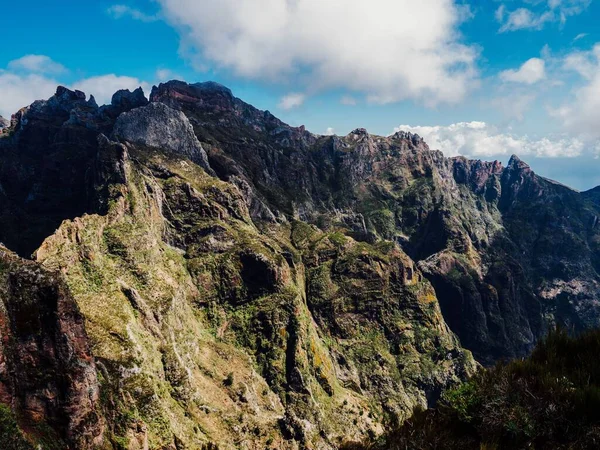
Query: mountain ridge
<point x="240" y="277"/>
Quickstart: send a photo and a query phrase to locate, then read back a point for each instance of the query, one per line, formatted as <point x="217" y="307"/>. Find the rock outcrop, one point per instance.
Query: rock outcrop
<point x="158" y="126"/>
<point x="475" y="228"/>
<point x="125" y="100"/>
<point x="247" y="283"/>
<point x="47" y="371"/>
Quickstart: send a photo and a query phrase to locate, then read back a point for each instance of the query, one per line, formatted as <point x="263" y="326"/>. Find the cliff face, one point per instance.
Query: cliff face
<point x="47" y="371"/>
<point x="509" y="253"/>
<point x="240" y="282"/>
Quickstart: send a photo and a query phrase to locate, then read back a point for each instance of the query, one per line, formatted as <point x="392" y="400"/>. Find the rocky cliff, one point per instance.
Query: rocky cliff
<point x="226" y="279"/>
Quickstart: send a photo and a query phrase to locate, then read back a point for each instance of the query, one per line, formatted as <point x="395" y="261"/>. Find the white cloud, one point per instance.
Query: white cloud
<point x="499" y="14"/>
<point x="514" y="105"/>
<point x="585" y="63"/>
<point x="390" y="50"/>
<point x="166" y="75"/>
<point x="530" y="72"/>
<point x="580" y="113"/>
<point x="580" y="36"/>
<point x="22" y="90"/>
<point x="25" y="80"/>
<point x="292" y="100"/>
<point x="36" y="64"/>
<point x="102" y="87"/>
<point x="540" y="14"/>
<point x="329" y="132"/>
<point x="32" y="78"/>
<point x="523" y="18"/>
<point x="120" y="11"/>
<point x="478" y="139"/>
<point x="348" y="100"/>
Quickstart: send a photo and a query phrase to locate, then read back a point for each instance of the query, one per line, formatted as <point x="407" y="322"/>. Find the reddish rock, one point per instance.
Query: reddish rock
<point x="47" y="372"/>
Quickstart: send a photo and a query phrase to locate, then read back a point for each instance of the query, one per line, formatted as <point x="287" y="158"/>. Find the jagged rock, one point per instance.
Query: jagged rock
<point x="174" y="92"/>
<point x="47" y="371"/>
<point x="65" y="96"/>
<point x="92" y="102"/>
<point x="314" y="281"/>
<point x="125" y="100"/>
<point x="157" y="125"/>
<point x="360" y="132"/>
<point x="45" y="168"/>
<point x="428" y="203"/>
<point x="4" y="123"/>
<point x="258" y="208"/>
<point x="109" y="170"/>
<point x="405" y="135"/>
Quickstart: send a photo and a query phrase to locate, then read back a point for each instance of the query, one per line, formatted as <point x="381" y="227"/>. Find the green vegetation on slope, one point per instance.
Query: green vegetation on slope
<point x="11" y="437"/>
<point x="550" y="400"/>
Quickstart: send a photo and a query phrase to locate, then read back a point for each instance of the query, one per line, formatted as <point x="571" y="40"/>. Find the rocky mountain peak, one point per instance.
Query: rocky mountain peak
<point x="159" y="126"/>
<point x="178" y="92"/>
<point x="217" y="115"/>
<point x="63" y="100"/>
<point x="413" y="137"/>
<point x="125" y="100"/>
<point x="65" y="95"/>
<point x="360" y="132"/>
<point x="520" y="183"/>
<point x="516" y="163"/>
<point x="213" y="86"/>
<point x="92" y="102"/>
<point x="3" y="122"/>
<point x="65" y="105"/>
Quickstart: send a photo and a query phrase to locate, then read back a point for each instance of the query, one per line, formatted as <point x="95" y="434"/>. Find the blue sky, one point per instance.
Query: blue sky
<point x="481" y="78"/>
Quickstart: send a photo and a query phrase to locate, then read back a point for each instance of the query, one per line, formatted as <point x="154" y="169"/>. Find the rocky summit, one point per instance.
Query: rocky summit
<point x="189" y="272"/>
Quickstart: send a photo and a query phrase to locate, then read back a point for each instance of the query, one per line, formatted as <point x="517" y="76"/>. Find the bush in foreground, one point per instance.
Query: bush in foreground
<point x="550" y="400"/>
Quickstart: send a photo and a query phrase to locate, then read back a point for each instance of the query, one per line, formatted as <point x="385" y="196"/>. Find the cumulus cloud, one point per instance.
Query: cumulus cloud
<point x="329" y="132"/>
<point x="390" y="50"/>
<point x="36" y="64"/>
<point x="579" y="114"/>
<point x="120" y="11"/>
<point x="22" y="90"/>
<point x="292" y="100"/>
<point x="585" y="63"/>
<point x="530" y="72"/>
<point x="478" y="139"/>
<point x="540" y="14"/>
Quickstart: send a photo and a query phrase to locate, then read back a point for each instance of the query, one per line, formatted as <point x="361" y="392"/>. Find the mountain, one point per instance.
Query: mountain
<point x="210" y="276"/>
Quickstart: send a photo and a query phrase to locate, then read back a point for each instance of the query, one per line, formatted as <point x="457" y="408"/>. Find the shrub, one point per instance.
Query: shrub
<point x="550" y="400"/>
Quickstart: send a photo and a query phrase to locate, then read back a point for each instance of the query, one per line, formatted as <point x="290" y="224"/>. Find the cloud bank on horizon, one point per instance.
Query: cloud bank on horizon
<point x="425" y="63"/>
<point x="481" y="140"/>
